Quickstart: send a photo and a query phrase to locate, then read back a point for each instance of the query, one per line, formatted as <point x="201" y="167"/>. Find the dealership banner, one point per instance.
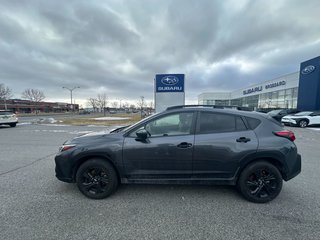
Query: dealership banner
<point x="169" y="91"/>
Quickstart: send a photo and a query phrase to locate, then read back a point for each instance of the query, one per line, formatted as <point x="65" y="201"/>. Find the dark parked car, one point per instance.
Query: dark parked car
<point x="280" y="113"/>
<point x="197" y="145"/>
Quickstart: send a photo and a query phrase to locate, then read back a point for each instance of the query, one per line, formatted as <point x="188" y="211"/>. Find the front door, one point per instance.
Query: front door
<point x="166" y="153"/>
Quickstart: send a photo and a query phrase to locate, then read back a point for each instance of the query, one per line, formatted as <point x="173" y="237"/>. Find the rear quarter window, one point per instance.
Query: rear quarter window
<point x="253" y="122"/>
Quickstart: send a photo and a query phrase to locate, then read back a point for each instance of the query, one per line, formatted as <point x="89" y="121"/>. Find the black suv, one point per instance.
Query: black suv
<point x="280" y="113"/>
<point x="197" y="145"/>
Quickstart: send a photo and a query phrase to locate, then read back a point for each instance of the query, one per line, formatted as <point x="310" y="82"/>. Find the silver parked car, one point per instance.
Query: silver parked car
<point x="8" y="118"/>
<point x="302" y="119"/>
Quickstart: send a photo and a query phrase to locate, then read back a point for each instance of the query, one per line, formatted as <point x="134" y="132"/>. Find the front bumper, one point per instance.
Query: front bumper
<point x="63" y="168"/>
<point x="288" y="121"/>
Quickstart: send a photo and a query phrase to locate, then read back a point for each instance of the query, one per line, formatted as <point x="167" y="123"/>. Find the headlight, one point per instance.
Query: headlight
<point x="66" y="147"/>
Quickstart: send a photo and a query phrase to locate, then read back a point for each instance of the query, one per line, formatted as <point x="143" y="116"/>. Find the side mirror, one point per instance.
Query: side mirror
<point x="142" y="135"/>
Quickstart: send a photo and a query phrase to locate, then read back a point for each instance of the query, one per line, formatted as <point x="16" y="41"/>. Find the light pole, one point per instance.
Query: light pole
<point x="71" y="90"/>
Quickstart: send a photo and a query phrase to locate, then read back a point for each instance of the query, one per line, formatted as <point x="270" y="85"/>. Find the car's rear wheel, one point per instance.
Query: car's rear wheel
<point x="303" y="123"/>
<point x="97" y="179"/>
<point x="260" y="182"/>
<point x="13" y="124"/>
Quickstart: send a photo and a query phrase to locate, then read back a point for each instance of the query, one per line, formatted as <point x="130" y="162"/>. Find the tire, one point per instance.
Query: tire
<point x="96" y="179"/>
<point x="303" y="123"/>
<point x="260" y="182"/>
<point x="13" y="124"/>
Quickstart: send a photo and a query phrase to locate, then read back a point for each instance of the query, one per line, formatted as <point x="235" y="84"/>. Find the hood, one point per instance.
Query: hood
<point x="93" y="137"/>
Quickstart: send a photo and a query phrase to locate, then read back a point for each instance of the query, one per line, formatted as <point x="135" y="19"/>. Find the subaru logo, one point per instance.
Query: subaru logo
<point x="170" y="80"/>
<point x="308" y="69"/>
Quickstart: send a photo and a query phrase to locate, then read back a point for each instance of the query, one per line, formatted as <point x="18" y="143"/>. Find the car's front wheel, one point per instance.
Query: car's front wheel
<point x="303" y="123"/>
<point x="97" y="179"/>
<point x="260" y="182"/>
<point x="13" y="124"/>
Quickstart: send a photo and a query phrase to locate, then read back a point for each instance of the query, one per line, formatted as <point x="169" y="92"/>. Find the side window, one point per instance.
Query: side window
<point x="174" y="124"/>
<point x="215" y="122"/>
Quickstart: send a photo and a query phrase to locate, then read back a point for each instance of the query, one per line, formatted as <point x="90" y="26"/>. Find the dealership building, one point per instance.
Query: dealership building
<point x="296" y="90"/>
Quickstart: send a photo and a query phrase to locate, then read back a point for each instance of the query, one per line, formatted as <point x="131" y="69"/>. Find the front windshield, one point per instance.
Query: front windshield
<point x="302" y="114"/>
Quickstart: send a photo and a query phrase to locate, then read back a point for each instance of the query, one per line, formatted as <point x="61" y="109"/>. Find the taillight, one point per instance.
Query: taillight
<point x="66" y="147"/>
<point x="286" y="134"/>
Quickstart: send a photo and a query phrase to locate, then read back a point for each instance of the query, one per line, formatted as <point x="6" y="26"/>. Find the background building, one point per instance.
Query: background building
<point x="281" y="92"/>
<point x="26" y="106"/>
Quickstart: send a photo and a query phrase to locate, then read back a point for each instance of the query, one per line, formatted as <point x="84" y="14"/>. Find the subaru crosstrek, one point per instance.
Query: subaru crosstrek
<point x="185" y="144"/>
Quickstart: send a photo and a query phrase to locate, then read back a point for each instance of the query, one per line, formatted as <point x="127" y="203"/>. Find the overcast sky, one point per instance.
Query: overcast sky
<point x="117" y="46"/>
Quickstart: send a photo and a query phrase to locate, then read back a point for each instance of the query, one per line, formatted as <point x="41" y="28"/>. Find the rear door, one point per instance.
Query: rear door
<point x="221" y="141"/>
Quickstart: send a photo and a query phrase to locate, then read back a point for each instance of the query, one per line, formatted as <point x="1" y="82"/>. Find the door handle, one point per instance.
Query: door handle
<point x="184" y="145"/>
<point x="243" y="139"/>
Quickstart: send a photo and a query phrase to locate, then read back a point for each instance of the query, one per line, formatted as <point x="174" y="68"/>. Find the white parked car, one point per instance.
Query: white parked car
<point x="302" y="119"/>
<point x="8" y="118"/>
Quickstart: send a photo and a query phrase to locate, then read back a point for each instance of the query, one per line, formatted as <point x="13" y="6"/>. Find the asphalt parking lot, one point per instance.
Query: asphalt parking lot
<point x="35" y="205"/>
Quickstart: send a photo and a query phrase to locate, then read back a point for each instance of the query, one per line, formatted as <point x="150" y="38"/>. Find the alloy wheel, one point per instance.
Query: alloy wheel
<point x="94" y="180"/>
<point x="303" y="123"/>
<point x="262" y="183"/>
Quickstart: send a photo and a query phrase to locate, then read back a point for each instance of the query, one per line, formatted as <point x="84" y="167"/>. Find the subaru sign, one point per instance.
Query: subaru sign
<point x="309" y="85"/>
<point x="168" y="91"/>
<point x="169" y="83"/>
<point x="308" y="69"/>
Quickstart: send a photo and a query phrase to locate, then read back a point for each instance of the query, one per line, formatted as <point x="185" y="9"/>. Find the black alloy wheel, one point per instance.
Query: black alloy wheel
<point x="303" y="123"/>
<point x="260" y="182"/>
<point x="96" y="179"/>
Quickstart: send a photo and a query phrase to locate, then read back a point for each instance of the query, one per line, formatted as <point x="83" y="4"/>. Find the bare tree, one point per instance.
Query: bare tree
<point x="5" y="94"/>
<point x="33" y="95"/>
<point x="102" y="102"/>
<point x="93" y="102"/>
<point x="132" y="106"/>
<point x="125" y="105"/>
<point x="140" y="105"/>
<point x="150" y="107"/>
<point x="114" y="104"/>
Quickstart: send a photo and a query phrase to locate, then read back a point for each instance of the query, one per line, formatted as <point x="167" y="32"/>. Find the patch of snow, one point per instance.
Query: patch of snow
<point x="46" y="120"/>
<point x="110" y="118"/>
<point x="24" y="123"/>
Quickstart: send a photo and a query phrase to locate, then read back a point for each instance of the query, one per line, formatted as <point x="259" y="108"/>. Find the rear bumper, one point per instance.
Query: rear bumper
<point x="295" y="169"/>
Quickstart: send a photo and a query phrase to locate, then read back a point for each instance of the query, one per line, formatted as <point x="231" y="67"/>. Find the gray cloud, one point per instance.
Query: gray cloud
<point x="118" y="46"/>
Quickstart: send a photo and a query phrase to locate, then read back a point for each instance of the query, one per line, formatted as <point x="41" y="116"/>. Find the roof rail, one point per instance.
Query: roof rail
<point x="211" y="106"/>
